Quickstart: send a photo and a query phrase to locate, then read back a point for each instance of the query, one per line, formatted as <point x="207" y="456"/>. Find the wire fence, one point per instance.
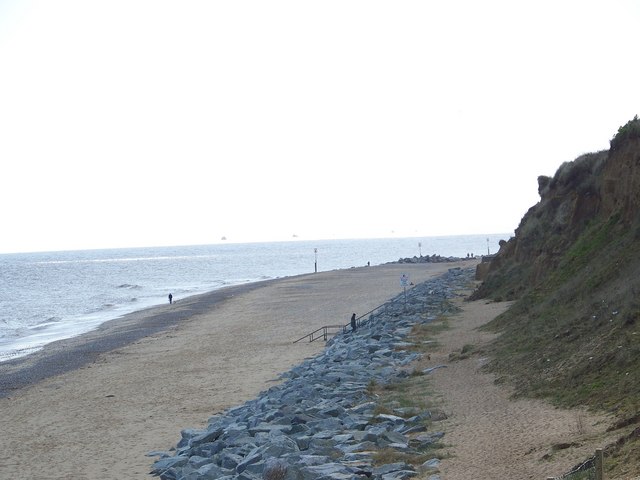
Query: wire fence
<point x="590" y="469"/>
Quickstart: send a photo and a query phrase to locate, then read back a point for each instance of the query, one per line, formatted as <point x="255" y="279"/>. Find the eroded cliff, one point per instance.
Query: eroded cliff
<point x="573" y="269"/>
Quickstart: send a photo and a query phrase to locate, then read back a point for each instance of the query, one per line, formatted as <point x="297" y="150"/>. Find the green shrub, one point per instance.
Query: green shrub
<point x="629" y="131"/>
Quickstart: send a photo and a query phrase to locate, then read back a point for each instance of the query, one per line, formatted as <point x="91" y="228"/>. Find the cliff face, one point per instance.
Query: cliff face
<point x="594" y="188"/>
<point x="573" y="269"/>
<point x="620" y="185"/>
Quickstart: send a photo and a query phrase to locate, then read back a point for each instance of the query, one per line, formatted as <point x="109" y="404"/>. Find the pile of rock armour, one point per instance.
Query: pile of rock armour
<point x="430" y="259"/>
<point x="320" y="422"/>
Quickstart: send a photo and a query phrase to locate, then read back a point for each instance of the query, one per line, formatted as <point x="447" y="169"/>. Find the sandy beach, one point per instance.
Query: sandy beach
<point x="99" y="419"/>
<point x="139" y="380"/>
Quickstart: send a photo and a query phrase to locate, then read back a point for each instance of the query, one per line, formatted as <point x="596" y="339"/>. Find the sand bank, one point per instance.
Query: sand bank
<point x="94" y="406"/>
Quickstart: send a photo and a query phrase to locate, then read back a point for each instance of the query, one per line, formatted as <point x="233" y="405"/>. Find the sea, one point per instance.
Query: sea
<point x="49" y="296"/>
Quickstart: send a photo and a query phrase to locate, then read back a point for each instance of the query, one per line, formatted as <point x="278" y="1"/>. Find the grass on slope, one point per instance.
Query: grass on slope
<point x="576" y="339"/>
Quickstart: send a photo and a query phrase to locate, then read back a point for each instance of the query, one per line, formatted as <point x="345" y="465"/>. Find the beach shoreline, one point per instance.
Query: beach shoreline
<point x="75" y="352"/>
<point x="101" y="419"/>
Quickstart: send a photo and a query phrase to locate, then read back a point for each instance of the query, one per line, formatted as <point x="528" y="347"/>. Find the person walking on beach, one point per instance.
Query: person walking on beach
<point x="353" y="322"/>
<point x="170" y="299"/>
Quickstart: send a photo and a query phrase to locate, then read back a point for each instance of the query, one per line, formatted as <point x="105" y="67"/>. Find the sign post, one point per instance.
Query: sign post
<point x="404" y="283"/>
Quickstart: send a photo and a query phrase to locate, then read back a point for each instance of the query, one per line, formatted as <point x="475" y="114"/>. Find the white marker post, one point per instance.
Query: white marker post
<point x="404" y="283"/>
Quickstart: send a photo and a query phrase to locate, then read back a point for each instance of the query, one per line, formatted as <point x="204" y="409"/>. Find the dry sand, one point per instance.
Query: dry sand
<point x="492" y="435"/>
<point x="100" y="420"/>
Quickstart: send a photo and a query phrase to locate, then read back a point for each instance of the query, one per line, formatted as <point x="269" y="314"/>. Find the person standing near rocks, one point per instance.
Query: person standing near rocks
<point x="170" y="299"/>
<point x="353" y="322"/>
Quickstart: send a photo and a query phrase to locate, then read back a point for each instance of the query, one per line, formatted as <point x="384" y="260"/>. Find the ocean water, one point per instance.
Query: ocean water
<point x="55" y="295"/>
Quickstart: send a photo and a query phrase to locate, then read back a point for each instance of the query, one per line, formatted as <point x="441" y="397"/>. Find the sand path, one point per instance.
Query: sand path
<point x="99" y="421"/>
<point x="491" y="435"/>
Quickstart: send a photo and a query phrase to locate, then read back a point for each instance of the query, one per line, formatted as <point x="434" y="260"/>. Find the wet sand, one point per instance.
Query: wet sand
<point x="73" y="353"/>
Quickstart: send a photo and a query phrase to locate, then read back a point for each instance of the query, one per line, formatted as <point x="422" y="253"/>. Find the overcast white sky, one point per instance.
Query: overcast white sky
<point x="149" y="122"/>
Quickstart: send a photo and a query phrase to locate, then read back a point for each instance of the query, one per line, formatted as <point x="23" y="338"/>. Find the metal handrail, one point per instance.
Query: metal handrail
<point x="359" y="319"/>
<point x="345" y="328"/>
<point x="325" y="333"/>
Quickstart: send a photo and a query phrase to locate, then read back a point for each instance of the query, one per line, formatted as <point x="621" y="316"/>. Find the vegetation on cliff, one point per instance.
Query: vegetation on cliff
<point x="631" y="130"/>
<point x="573" y="269"/>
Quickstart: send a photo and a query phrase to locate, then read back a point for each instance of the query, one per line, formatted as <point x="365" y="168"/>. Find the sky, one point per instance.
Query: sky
<point x="130" y="123"/>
